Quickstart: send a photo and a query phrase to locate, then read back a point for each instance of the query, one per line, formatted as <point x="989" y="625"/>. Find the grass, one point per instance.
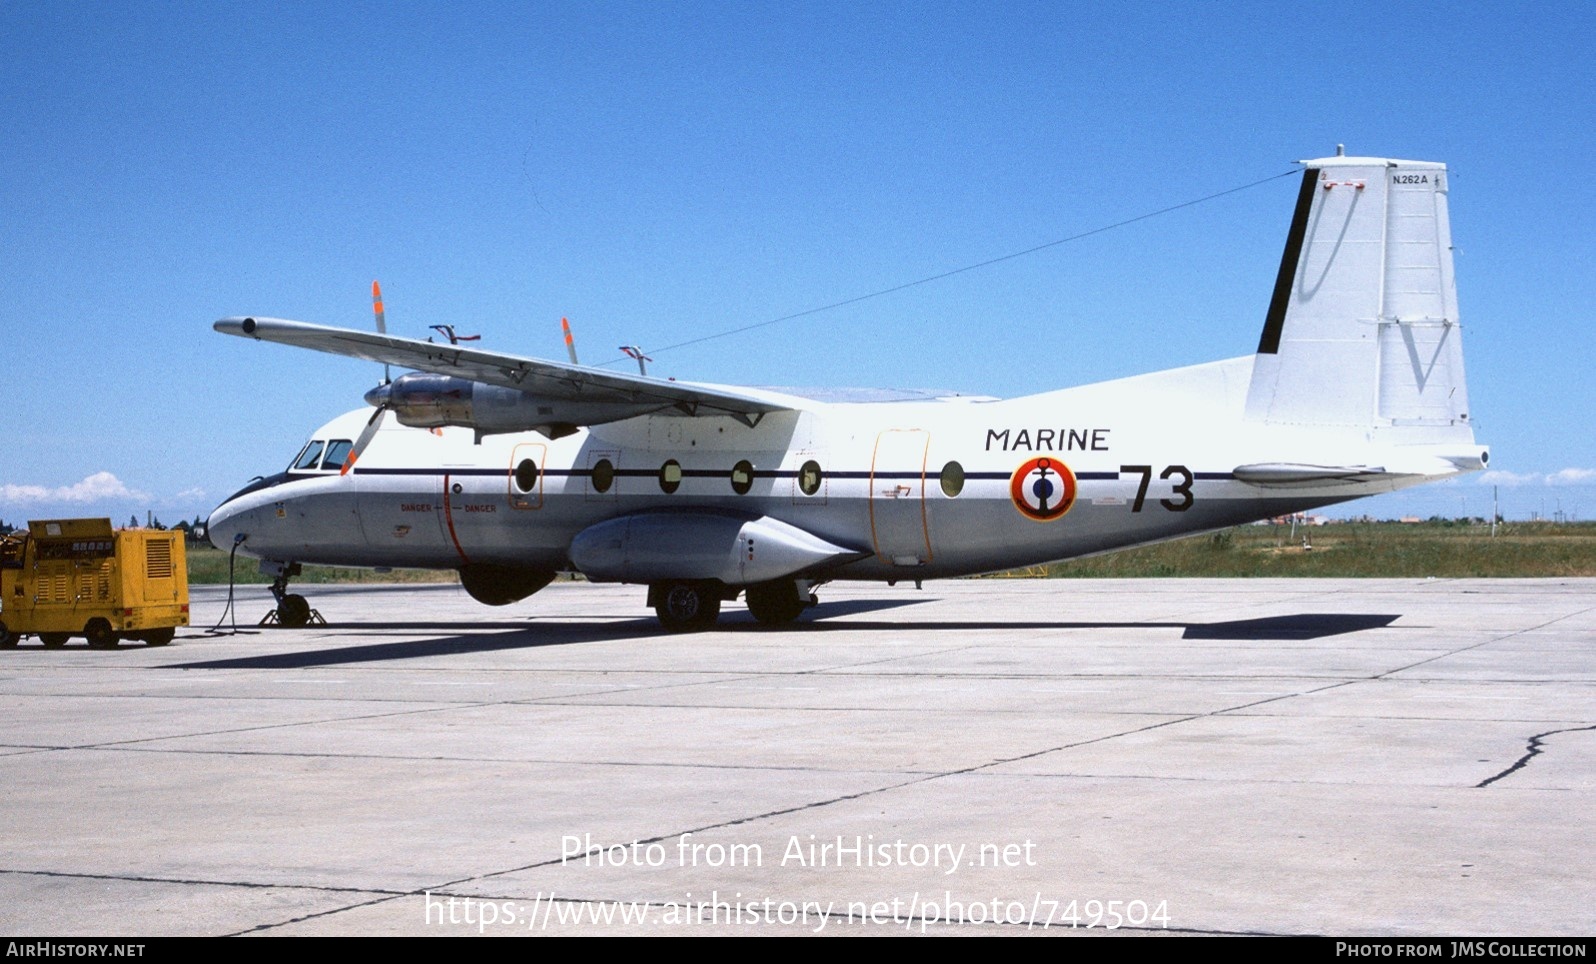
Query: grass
<point x="208" y="566"/>
<point x="1355" y="549"/>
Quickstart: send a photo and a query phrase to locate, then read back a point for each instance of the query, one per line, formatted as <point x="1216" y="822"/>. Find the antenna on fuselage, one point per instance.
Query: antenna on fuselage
<point x="633" y="351"/>
<point x="454" y="337"/>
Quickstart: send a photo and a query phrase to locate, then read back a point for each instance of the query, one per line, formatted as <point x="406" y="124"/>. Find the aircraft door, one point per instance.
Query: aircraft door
<point x="398" y="516"/>
<point x="897" y="497"/>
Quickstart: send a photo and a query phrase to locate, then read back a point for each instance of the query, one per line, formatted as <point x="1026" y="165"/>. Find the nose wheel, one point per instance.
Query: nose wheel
<point x="292" y="611"/>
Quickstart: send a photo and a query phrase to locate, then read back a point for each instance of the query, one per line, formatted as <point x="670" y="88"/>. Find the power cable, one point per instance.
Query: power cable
<point x="969" y="267"/>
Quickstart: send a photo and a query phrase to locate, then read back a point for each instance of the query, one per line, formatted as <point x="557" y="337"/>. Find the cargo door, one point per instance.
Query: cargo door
<point x="897" y="497"/>
<point x="399" y="515"/>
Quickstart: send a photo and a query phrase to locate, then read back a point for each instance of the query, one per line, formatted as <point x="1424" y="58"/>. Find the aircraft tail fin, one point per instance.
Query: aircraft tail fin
<point x="1363" y="330"/>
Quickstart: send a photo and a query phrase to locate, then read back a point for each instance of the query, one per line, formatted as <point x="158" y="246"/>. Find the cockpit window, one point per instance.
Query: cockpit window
<point x="337" y="451"/>
<point x="308" y="457"/>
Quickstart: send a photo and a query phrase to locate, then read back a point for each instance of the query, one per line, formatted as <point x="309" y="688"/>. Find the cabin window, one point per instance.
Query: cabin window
<point x="308" y="457"/>
<point x="670" y="476"/>
<point x="337" y="451"/>
<point x="603" y="475"/>
<point x="809" y="477"/>
<point x="952" y="479"/>
<point x="526" y="475"/>
<point x="742" y="477"/>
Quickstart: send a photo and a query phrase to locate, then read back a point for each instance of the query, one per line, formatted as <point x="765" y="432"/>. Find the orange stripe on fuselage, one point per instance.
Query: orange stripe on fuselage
<point x="448" y="519"/>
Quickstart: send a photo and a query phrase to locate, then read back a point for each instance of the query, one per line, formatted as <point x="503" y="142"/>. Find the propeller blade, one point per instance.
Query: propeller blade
<point x="366" y="435"/>
<point x="570" y="344"/>
<point x="382" y="321"/>
<point x="376" y="307"/>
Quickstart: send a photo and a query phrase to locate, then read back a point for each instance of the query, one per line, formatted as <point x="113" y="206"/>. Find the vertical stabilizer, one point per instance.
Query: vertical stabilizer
<point x="1363" y="329"/>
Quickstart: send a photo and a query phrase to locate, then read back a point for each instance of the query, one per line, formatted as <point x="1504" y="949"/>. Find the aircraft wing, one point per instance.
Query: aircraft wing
<point x="535" y="377"/>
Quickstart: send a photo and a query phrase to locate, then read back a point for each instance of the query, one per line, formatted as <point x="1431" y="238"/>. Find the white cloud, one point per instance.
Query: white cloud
<point x="189" y="495"/>
<point x="96" y="488"/>
<point x="1572" y="477"/>
<point x="1510" y="480"/>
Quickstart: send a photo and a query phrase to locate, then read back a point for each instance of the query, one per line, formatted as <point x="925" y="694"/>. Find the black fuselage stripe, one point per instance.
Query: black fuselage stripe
<point x="686" y="473"/>
<point x="283" y="478"/>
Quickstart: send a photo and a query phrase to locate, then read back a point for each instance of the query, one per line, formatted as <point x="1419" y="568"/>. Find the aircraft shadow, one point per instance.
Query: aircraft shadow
<point x="522" y="637"/>
<point x="1306" y="626"/>
<point x="1298" y="626"/>
<point x="515" y="635"/>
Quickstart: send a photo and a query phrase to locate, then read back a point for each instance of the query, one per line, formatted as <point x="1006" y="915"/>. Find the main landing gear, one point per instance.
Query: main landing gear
<point x="779" y="602"/>
<point x="687" y="606"/>
<point x="292" y="610"/>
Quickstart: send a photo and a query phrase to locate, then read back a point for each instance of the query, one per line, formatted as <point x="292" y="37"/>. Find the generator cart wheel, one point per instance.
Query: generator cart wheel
<point x="8" y="639"/>
<point x="54" y="640"/>
<point x="159" y="637"/>
<point x="100" y="634"/>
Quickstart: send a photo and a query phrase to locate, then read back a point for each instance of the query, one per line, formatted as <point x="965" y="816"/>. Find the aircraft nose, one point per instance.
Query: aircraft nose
<point x="223" y="528"/>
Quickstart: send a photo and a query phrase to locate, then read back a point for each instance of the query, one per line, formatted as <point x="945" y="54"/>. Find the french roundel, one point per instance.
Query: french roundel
<point x="1043" y="489"/>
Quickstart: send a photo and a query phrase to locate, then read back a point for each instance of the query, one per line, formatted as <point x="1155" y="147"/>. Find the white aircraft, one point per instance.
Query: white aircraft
<point x="512" y="469"/>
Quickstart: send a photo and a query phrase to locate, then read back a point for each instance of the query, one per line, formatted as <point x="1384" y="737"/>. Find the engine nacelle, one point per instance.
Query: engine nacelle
<point x="425" y="400"/>
<point x="501" y="585"/>
<point x="735" y="550"/>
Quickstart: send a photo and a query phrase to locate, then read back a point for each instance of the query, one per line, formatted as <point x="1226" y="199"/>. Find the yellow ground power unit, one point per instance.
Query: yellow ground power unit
<point x="79" y="577"/>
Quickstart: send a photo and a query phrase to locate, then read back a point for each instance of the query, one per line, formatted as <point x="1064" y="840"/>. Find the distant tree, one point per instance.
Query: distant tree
<point x="133" y="521"/>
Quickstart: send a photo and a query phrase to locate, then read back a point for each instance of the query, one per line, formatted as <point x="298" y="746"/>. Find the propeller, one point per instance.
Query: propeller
<point x="377" y="396"/>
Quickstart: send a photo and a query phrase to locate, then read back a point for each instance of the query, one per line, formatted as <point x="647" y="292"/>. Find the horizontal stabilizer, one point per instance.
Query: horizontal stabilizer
<point x="1285" y="474"/>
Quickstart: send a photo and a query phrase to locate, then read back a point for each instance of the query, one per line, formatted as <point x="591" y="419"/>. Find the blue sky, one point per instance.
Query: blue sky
<point x="662" y="171"/>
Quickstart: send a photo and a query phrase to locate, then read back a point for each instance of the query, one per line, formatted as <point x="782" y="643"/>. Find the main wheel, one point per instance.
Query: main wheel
<point x="293" y="612"/>
<point x="8" y="639"/>
<point x="683" y="607"/>
<point x="159" y="637"/>
<point x="100" y="634"/>
<point x="54" y="640"/>
<point x="775" y="603"/>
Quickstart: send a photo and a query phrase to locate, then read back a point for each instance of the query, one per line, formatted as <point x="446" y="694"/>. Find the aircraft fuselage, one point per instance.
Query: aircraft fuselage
<point x="914" y="489"/>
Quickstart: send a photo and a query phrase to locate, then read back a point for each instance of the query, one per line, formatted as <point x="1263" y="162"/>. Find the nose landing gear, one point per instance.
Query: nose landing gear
<point x="292" y="610"/>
